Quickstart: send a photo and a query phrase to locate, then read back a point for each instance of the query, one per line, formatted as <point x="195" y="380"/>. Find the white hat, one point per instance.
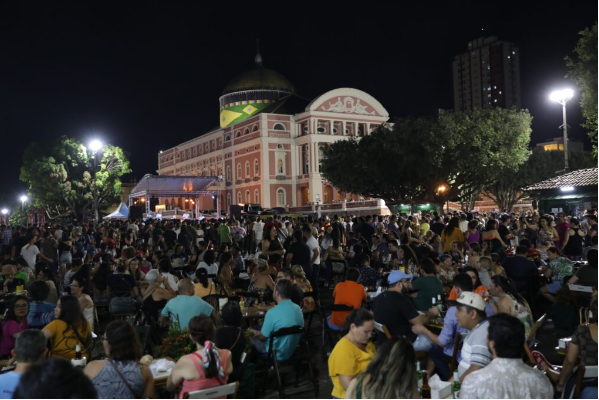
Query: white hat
<point x="472" y="300"/>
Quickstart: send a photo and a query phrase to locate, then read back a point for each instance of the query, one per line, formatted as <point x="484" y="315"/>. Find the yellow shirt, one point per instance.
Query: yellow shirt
<point x="424" y="227"/>
<point x="347" y="359"/>
<point x="456" y="235"/>
<point x="201" y="291"/>
<point x="64" y="342"/>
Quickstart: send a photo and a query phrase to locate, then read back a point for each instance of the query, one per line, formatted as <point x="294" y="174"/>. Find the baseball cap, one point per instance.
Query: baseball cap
<point x="397" y="275"/>
<point x="472" y="300"/>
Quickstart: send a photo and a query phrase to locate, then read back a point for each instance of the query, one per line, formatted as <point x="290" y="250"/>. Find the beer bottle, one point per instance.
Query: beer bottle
<point x="456" y="386"/>
<point x="78" y="355"/>
<point x="425" y="390"/>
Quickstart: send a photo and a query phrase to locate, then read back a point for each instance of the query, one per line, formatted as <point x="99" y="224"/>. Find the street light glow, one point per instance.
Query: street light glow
<point x="23" y="198"/>
<point x="95" y="145"/>
<point x="441" y="188"/>
<point x="561" y="96"/>
<point x="4" y="211"/>
<point x="567" y="188"/>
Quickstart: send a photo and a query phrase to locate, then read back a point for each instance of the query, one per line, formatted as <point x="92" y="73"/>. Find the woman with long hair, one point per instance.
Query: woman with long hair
<point x="65" y="247"/>
<point x="353" y="352"/>
<point x="299" y="278"/>
<point x="205" y="286"/>
<point x="47" y="276"/>
<point x="209" y="263"/>
<point x="546" y="232"/>
<point x="477" y="286"/>
<point x="391" y="375"/>
<point x="205" y="368"/>
<point x="155" y="297"/>
<point x="408" y="258"/>
<point x="41" y="313"/>
<point x="261" y="282"/>
<point x="450" y="233"/>
<point x="15" y="322"/>
<point x="574" y="240"/>
<point x="120" y="376"/>
<point x="271" y="246"/>
<point x="225" y="272"/>
<point x="79" y="289"/>
<point x="510" y="301"/>
<point x="69" y="329"/>
<point x="100" y="281"/>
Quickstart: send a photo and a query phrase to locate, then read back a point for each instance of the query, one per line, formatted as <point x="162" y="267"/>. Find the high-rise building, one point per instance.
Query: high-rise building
<point x="487" y="75"/>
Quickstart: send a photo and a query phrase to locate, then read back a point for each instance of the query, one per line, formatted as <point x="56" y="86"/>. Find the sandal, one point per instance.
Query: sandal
<point x="540" y="359"/>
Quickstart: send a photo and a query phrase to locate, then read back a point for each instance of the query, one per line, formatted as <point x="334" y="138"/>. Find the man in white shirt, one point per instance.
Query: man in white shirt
<point x="258" y="228"/>
<point x="463" y="223"/>
<point x="314" y="254"/>
<point x="506" y="377"/>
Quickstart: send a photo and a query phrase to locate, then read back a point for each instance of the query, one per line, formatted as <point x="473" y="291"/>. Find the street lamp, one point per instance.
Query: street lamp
<point x="562" y="97"/>
<point x="23" y="199"/>
<point x="95" y="145"/>
<point x="441" y="191"/>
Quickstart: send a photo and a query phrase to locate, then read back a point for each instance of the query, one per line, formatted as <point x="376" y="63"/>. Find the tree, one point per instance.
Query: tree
<point x="62" y="176"/>
<point x="583" y="71"/>
<point x="541" y="165"/>
<point x="409" y="161"/>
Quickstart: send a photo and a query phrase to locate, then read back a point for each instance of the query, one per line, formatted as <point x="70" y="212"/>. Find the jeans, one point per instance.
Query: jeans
<point x="260" y="346"/>
<point x="422" y="343"/>
<point x="441" y="362"/>
<point x="313" y="278"/>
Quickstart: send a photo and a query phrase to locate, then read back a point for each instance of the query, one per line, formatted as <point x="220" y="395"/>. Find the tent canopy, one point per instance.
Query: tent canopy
<point x="122" y="212"/>
<point x="174" y="186"/>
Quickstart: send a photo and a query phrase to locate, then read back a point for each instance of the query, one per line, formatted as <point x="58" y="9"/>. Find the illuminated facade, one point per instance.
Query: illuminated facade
<point x="557" y="144"/>
<point x="269" y="143"/>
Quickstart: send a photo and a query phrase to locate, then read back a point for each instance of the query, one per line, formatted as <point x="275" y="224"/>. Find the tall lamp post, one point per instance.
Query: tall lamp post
<point x="562" y="97"/>
<point x="441" y="191"/>
<point x="95" y="146"/>
<point x="4" y="216"/>
<point x="23" y="199"/>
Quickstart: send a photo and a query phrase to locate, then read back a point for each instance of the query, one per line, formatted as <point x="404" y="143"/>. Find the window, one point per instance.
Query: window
<point x="239" y="199"/>
<point x="281" y="197"/>
<point x="321" y="129"/>
<point x="280" y="170"/>
<point x="255" y="128"/>
<point x="306" y="159"/>
<point x="238" y="134"/>
<point x="239" y="171"/>
<point x="256" y="168"/>
<point x="227" y="137"/>
<point x="247" y="169"/>
<point x="246" y="131"/>
<point x="256" y="196"/>
<point x="228" y="199"/>
<point x="247" y="197"/>
<point x="320" y="157"/>
<point x="279" y="127"/>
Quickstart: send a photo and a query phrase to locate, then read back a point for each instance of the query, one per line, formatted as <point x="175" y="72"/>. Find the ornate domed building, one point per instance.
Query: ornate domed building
<point x="268" y="146"/>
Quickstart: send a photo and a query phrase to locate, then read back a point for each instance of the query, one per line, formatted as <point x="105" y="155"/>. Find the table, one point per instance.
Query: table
<point x="256" y="311"/>
<point x="161" y="377"/>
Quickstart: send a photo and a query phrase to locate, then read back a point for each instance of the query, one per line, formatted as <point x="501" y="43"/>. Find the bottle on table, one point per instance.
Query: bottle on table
<point x="418" y="375"/>
<point x="439" y="303"/>
<point x="78" y="353"/>
<point x="425" y="390"/>
<point x="456" y="386"/>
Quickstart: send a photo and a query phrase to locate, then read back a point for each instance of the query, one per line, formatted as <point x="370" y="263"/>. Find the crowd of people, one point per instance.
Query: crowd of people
<point x="433" y="282"/>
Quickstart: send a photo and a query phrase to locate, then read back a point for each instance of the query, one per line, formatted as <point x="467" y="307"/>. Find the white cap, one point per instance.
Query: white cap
<point x="472" y="300"/>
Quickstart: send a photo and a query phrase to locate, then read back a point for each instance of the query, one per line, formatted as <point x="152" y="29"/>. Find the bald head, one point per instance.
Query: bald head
<point x="185" y="287"/>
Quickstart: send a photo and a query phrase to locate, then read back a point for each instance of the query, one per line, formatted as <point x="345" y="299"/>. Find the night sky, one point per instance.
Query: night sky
<point x="147" y="76"/>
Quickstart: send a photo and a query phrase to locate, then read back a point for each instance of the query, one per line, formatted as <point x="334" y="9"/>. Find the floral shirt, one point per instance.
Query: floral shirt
<point x="561" y="268"/>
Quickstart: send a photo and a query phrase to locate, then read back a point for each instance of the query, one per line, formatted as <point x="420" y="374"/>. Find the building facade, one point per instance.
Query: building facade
<point x="557" y="144"/>
<point x="487" y="75"/>
<point x="269" y="144"/>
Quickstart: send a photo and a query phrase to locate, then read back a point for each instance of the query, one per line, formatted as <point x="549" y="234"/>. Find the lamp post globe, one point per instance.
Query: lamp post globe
<point x="95" y="145"/>
<point x="562" y="97"/>
<point x="23" y="199"/>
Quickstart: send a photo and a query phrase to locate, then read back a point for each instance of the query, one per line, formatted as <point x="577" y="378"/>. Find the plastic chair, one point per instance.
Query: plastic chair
<point x="230" y="390"/>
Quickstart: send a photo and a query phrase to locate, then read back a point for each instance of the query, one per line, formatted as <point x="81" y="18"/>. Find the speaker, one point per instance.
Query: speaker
<point x="153" y="202"/>
<point x="136" y="212"/>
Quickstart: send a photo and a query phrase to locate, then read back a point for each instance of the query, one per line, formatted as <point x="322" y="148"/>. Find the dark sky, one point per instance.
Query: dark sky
<point x="146" y="76"/>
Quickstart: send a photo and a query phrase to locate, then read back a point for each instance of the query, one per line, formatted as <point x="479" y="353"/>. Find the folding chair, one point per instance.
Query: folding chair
<point x="530" y="340"/>
<point x="382" y="328"/>
<point x="457" y="345"/>
<point x="230" y="390"/>
<point x="325" y="326"/>
<point x="301" y="355"/>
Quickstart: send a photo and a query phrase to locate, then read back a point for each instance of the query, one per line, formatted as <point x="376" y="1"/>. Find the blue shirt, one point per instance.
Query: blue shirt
<point x="8" y="383"/>
<point x="182" y="309"/>
<point x="40" y="313"/>
<point x="450" y="327"/>
<point x="284" y="315"/>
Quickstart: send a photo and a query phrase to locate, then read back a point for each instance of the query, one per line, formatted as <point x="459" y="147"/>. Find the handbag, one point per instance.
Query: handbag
<point x="133" y="392"/>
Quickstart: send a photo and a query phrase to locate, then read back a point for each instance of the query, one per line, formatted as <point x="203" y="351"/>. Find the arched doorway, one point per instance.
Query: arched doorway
<point x="328" y="194"/>
<point x="305" y="195"/>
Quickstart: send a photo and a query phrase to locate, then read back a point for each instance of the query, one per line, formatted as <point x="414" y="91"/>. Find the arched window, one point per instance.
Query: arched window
<point x="306" y="159"/>
<point x="255" y="128"/>
<point x="239" y="199"/>
<point x="228" y="199"/>
<point x="227" y="137"/>
<point x="256" y="168"/>
<point x="246" y="131"/>
<point x="248" y="199"/>
<point x="280" y="169"/>
<point x="239" y="171"/>
<point x="279" y="127"/>
<point x="238" y="134"/>
<point x="247" y="169"/>
<point x="281" y="197"/>
<point x="256" y="196"/>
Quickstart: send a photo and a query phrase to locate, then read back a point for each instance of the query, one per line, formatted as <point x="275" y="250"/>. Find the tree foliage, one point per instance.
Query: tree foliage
<point x="63" y="176"/>
<point x="541" y="165"/>
<point x="410" y="160"/>
<point x="583" y="71"/>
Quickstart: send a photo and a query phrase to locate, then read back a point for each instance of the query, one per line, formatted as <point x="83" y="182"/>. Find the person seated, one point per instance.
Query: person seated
<point x="556" y="270"/>
<point x="205" y="286"/>
<point x="80" y="290"/>
<point x="102" y="272"/>
<point x="297" y="294"/>
<point x="299" y="278"/>
<point x="477" y="286"/>
<point x="520" y="269"/>
<point x="368" y="275"/>
<point x="353" y="352"/>
<point x="122" y="290"/>
<point x="428" y="286"/>
<point x="15" y="322"/>
<point x="182" y="308"/>
<point x="471" y="315"/>
<point x="30" y="348"/>
<point x="205" y="368"/>
<point x="40" y="312"/>
<point x="506" y="376"/>
<point x="225" y="273"/>
<point x="510" y="302"/>
<point x="155" y="297"/>
<point x="9" y="283"/>
<point x="394" y="362"/>
<point x="284" y="315"/>
<point x="54" y="379"/>
<point x="349" y="293"/>
<point x="68" y="329"/>
<point x="581" y="351"/>
<point x="232" y="337"/>
<point x="448" y="270"/>
<point x="394" y="309"/>
<point x="120" y="376"/>
<point x="587" y="274"/>
<point x="261" y="282"/>
<point x="209" y="263"/>
<point x="165" y="267"/>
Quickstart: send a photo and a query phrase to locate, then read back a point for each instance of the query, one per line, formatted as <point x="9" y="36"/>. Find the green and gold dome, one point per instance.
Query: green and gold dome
<point x="249" y="93"/>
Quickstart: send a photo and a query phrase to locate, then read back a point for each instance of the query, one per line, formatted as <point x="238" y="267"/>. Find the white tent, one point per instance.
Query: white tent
<point x="122" y="212"/>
